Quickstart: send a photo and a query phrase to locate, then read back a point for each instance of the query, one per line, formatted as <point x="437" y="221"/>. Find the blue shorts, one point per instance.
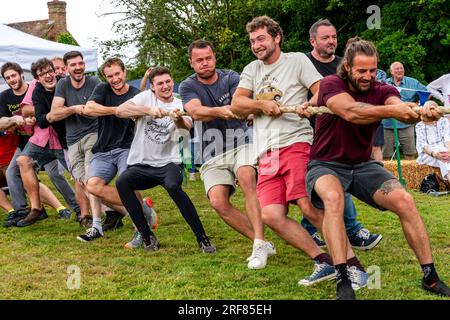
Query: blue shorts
<point x="42" y="156"/>
<point x="105" y="165"/>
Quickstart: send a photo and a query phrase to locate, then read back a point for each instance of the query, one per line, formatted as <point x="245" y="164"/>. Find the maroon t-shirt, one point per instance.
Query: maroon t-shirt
<point x="338" y="140"/>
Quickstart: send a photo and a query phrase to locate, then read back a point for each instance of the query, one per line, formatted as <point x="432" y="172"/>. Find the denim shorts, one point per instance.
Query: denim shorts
<point x="361" y="180"/>
<point x="106" y="165"/>
<point x="42" y="156"/>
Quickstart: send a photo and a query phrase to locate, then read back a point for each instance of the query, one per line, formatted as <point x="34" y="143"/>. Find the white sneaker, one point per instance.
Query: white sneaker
<point x="271" y="250"/>
<point x="258" y="259"/>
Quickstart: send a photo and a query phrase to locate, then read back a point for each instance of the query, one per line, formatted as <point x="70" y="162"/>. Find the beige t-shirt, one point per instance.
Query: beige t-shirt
<point x="292" y="74"/>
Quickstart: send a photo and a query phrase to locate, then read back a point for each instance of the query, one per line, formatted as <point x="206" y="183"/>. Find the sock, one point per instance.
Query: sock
<point x="258" y="243"/>
<point x="342" y="276"/>
<point x="430" y="275"/>
<point x="354" y="262"/>
<point x="324" y="257"/>
<point x="60" y="208"/>
<point x="97" y="223"/>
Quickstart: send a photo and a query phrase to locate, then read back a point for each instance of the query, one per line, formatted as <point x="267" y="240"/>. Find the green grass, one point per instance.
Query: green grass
<point x="34" y="260"/>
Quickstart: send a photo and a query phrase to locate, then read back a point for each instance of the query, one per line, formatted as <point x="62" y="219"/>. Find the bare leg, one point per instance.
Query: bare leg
<point x="30" y="181"/>
<point x="394" y="197"/>
<point x="4" y="202"/>
<point x="219" y="197"/>
<point x="82" y="199"/>
<point x="275" y="217"/>
<point x="247" y="181"/>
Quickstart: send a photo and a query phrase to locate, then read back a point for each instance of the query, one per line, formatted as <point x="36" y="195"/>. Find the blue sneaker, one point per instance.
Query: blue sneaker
<point x="318" y="240"/>
<point x="322" y="272"/>
<point x="365" y="240"/>
<point x="358" y="277"/>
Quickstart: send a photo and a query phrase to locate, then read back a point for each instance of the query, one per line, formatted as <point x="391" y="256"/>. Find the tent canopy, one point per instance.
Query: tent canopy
<point x="23" y="48"/>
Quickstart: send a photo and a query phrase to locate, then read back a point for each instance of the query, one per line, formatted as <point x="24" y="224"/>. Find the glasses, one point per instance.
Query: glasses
<point x="44" y="73"/>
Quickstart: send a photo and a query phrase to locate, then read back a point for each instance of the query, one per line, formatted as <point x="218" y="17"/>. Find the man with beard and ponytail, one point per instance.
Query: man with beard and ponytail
<point x="340" y="160"/>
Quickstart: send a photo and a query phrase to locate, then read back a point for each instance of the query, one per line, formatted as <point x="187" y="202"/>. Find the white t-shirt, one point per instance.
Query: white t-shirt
<point x="292" y="74"/>
<point x="156" y="141"/>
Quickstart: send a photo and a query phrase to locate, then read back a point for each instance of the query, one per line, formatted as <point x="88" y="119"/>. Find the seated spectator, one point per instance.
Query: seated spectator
<point x="433" y="145"/>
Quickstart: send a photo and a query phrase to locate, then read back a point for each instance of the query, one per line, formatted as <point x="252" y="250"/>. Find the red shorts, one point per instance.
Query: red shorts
<point x="281" y="175"/>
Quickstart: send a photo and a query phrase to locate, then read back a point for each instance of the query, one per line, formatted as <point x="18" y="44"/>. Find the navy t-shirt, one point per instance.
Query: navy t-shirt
<point x="338" y="140"/>
<point x="220" y="93"/>
<point x="113" y="132"/>
<point x="9" y="106"/>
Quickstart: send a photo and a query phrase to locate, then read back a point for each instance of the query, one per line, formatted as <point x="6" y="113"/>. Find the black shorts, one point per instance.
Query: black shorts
<point x="361" y="180"/>
<point x="378" y="138"/>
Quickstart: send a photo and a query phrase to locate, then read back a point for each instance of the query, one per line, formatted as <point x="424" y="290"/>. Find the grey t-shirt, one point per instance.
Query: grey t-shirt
<point x="218" y="136"/>
<point x="77" y="126"/>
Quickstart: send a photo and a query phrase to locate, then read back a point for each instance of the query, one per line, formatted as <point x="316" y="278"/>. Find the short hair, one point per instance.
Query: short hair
<point x="112" y="61"/>
<point x="354" y="47"/>
<point x="72" y="54"/>
<point x="273" y="28"/>
<point x="57" y="58"/>
<point x="317" y="24"/>
<point x="39" y="65"/>
<point x="11" y="66"/>
<point x="200" y="44"/>
<point x="157" y="71"/>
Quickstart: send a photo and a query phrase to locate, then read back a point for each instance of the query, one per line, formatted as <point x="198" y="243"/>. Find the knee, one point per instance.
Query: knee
<point x="247" y="180"/>
<point x="24" y="162"/>
<point x="271" y="219"/>
<point x="405" y="205"/>
<point x="172" y="187"/>
<point x="94" y="186"/>
<point x="332" y="198"/>
<point x="220" y="204"/>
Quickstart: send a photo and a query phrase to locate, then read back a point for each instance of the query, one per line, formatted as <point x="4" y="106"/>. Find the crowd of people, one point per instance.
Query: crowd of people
<point x="67" y="120"/>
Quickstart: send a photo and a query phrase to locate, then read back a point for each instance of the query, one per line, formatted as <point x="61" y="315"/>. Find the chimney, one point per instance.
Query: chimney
<point x="57" y="15"/>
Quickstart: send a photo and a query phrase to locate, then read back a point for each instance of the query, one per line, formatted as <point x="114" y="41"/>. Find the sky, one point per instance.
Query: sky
<point x="84" y="20"/>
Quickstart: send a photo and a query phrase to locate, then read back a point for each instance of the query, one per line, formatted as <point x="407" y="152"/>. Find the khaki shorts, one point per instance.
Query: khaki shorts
<point x="406" y="139"/>
<point x="80" y="155"/>
<point x="222" y="170"/>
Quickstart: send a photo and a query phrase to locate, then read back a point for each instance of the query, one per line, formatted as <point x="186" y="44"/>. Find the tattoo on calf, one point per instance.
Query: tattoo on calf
<point x="389" y="186"/>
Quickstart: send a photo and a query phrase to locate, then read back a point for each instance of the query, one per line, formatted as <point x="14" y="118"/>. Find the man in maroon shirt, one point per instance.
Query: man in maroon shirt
<point x="341" y="162"/>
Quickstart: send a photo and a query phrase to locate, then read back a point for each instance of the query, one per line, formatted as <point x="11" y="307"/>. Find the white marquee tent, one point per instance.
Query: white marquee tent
<point x="23" y="48"/>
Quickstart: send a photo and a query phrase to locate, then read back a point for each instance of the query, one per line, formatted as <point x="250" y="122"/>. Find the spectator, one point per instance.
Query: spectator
<point x="440" y="89"/>
<point x="407" y="87"/>
<point x="433" y="145"/>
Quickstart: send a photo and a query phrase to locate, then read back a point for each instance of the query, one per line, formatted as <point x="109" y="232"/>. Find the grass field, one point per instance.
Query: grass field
<point x="36" y="262"/>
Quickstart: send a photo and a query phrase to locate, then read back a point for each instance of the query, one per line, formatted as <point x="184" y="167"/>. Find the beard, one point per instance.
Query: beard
<point x="357" y="85"/>
<point x="267" y="55"/>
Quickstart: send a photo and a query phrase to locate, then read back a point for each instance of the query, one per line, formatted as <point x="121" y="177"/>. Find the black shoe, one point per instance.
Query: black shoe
<point x="91" y="234"/>
<point x="345" y="292"/>
<point x="205" y="245"/>
<point x="113" y="221"/>
<point x="439" y="288"/>
<point x="34" y="216"/>
<point x="153" y="245"/>
<point x="14" y="217"/>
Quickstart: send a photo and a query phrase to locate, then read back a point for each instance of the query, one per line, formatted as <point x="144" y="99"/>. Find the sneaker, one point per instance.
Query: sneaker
<point x="365" y="240"/>
<point x="322" y="271"/>
<point x="153" y="245"/>
<point x="439" y="288"/>
<point x="259" y="256"/>
<point x="318" y="240"/>
<point x="85" y="221"/>
<point x="345" y="293"/>
<point x="136" y="242"/>
<point x="150" y="213"/>
<point x="271" y="250"/>
<point x="33" y="217"/>
<point x="91" y="234"/>
<point x="14" y="217"/>
<point x="206" y="246"/>
<point x="113" y="221"/>
<point x="358" y="277"/>
<point x="64" y="214"/>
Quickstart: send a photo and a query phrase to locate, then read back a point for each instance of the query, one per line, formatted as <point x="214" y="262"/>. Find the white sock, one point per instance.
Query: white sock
<point x="97" y="223"/>
<point x="258" y="242"/>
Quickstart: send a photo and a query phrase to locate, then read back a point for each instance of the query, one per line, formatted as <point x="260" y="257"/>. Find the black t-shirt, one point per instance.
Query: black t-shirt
<point x="325" y="69"/>
<point x="10" y="106"/>
<point x="113" y="132"/>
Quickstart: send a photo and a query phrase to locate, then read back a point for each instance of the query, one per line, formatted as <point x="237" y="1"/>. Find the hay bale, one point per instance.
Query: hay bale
<point x="412" y="172"/>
